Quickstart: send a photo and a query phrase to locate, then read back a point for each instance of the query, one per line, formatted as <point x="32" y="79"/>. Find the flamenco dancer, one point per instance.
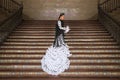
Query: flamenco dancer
<point x="56" y="61"/>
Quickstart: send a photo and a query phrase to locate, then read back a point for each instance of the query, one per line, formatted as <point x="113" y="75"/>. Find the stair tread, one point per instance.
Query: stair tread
<point x="71" y="40"/>
<point x="71" y="47"/>
<point x="73" y="56"/>
<point x="70" y="70"/>
<point x="59" y="78"/>
<point x="72" y="51"/>
<point x="67" y="74"/>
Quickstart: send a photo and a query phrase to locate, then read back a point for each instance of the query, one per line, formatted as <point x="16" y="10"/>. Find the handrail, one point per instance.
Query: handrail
<point x="111" y="24"/>
<point x="109" y="5"/>
<point x="20" y="7"/>
<point x="109" y="16"/>
<point x="16" y="3"/>
<point x="10" y="5"/>
<point x="14" y="10"/>
<point x="101" y="8"/>
<point x="104" y="2"/>
<point x="9" y="17"/>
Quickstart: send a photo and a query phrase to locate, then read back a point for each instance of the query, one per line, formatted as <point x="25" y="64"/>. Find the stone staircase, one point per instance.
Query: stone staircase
<point x="96" y="55"/>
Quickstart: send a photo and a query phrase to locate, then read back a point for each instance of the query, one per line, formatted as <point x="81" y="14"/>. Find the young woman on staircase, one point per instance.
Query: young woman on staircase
<point x="56" y="59"/>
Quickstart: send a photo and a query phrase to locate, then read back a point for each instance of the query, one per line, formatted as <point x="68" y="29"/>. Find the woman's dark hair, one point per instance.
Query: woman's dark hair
<point x="61" y="14"/>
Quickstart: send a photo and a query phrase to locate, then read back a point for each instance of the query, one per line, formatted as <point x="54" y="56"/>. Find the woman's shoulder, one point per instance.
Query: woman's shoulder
<point x="58" y="22"/>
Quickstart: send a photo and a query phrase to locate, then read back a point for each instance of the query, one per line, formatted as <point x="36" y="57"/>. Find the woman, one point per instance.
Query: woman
<point x="60" y="30"/>
<point x="56" y="59"/>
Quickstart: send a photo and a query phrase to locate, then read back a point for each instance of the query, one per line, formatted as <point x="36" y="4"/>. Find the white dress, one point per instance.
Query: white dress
<point x="56" y="61"/>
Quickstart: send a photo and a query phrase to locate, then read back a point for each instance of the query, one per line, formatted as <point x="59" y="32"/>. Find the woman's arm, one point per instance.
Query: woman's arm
<point x="60" y="26"/>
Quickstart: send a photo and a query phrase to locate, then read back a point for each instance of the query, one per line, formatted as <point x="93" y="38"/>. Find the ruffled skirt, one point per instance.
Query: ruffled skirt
<point x="56" y="61"/>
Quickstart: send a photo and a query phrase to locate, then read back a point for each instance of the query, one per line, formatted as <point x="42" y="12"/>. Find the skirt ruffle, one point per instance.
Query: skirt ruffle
<point x="56" y="60"/>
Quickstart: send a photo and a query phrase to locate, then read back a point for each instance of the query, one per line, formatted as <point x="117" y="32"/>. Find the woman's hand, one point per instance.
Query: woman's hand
<point x="67" y="29"/>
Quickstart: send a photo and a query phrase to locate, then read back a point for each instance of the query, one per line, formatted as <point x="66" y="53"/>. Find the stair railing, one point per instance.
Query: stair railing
<point x="14" y="11"/>
<point x="104" y="8"/>
<point x="109" y="5"/>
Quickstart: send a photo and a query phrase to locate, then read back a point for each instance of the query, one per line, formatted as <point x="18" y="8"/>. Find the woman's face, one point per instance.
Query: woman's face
<point x="62" y="17"/>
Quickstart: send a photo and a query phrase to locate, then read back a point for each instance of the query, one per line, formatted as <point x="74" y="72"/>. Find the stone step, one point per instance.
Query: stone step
<point x="51" y="40"/>
<point x="72" y="51"/>
<point x="71" y="24"/>
<point x="40" y="47"/>
<point x="77" y="68"/>
<point x="65" y="74"/>
<point x="74" y="68"/>
<point x="63" y="78"/>
<point x="54" y="25"/>
<point x="39" y="28"/>
<point x="85" y="31"/>
<point x="54" y="30"/>
<point x="53" y="22"/>
<point x="73" y="61"/>
<point x="46" y="23"/>
<point x="46" y="34"/>
<point x="69" y="43"/>
<point x="49" y="37"/>
<point x="77" y="56"/>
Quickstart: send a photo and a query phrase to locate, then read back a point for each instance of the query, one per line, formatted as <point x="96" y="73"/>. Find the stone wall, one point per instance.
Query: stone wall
<point x="50" y="9"/>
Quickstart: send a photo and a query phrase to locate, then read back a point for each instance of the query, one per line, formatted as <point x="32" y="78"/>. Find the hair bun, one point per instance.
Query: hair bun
<point x="61" y="14"/>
